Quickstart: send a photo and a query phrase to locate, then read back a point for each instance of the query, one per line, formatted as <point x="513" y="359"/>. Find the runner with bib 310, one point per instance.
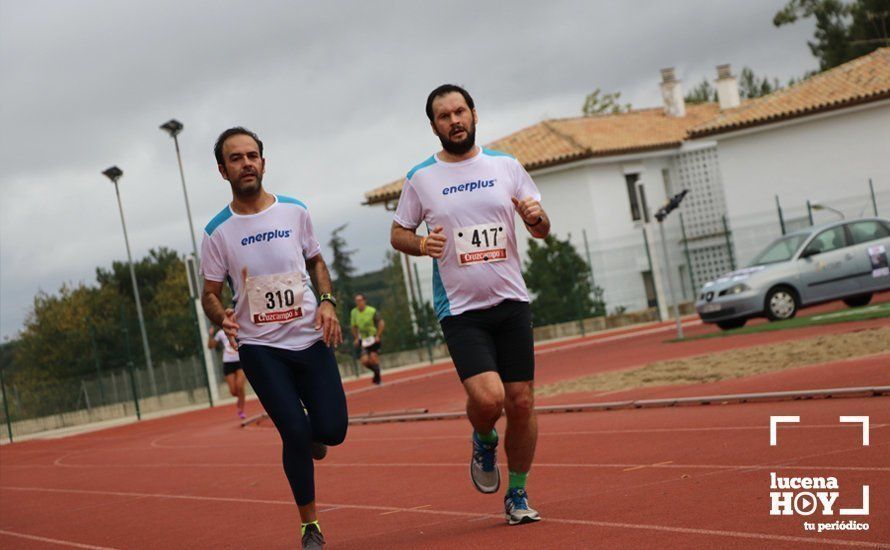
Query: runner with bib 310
<point x="264" y="247"/>
<point x="468" y="197"/>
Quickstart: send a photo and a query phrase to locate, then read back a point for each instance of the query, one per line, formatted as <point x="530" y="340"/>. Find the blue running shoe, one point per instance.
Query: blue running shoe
<point x="484" y="466"/>
<point x="516" y="507"/>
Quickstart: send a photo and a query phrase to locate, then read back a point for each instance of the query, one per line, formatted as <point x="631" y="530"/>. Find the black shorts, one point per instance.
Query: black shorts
<point x="231" y="368"/>
<point x="375" y="347"/>
<point x="498" y="339"/>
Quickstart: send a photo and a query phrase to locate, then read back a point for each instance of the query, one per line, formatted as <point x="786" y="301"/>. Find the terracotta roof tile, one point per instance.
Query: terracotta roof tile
<point x="859" y="81"/>
<point x="564" y="140"/>
<point x="559" y="141"/>
<point x="603" y="135"/>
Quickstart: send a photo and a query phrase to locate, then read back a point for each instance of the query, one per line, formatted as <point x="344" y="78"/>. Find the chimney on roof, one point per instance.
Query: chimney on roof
<point x="727" y="88"/>
<point x="672" y="94"/>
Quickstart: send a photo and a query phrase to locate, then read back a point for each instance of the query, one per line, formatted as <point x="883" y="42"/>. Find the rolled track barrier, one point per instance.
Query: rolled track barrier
<point x="868" y="391"/>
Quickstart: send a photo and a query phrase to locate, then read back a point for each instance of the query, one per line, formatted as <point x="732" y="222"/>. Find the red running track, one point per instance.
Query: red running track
<point x="686" y="477"/>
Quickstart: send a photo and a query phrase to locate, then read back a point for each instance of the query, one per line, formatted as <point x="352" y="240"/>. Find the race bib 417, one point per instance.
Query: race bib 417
<point x="482" y="243"/>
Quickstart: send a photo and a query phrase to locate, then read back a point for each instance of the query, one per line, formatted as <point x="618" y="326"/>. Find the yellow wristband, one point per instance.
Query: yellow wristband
<point x="423" y="246"/>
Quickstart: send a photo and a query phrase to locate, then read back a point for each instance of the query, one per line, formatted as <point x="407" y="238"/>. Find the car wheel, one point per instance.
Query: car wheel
<point x="858" y="301"/>
<point x="730" y="324"/>
<point x="781" y="304"/>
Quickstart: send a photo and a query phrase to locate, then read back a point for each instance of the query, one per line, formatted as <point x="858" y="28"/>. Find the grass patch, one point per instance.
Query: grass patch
<point x="736" y="363"/>
<point x="865" y="313"/>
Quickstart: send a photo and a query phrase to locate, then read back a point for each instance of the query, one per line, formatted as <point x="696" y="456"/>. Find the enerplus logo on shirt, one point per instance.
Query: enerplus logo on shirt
<point x="469" y="186"/>
<point x="266" y="236"/>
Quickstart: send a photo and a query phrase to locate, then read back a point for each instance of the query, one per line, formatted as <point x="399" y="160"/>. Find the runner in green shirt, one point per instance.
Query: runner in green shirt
<point x="367" y="328"/>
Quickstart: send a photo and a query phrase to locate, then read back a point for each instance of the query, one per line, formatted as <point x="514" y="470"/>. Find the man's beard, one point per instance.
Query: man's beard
<point x="460" y="147"/>
<point x="248" y="190"/>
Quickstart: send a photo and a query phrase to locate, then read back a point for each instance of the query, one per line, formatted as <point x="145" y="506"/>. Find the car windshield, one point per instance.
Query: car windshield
<point x="780" y="250"/>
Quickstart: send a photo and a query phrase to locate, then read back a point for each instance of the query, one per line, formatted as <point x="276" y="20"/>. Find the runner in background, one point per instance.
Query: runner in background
<point x="231" y="368"/>
<point x="367" y="329"/>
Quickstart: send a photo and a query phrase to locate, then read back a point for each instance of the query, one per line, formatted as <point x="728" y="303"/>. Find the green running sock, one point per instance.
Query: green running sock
<point x="489" y="437"/>
<point x="517" y="480"/>
<point x="305" y="525"/>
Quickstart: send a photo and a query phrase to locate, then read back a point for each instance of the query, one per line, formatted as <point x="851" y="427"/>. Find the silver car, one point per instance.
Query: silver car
<point x="844" y="260"/>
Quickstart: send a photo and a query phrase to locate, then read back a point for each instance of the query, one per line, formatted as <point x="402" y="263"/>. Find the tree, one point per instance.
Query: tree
<point x="55" y="349"/>
<point x="703" y="93"/>
<point x="174" y="331"/>
<point x="844" y="31"/>
<point x="69" y="335"/>
<point x="751" y="86"/>
<point x="559" y="279"/>
<point x="395" y="309"/>
<point x="428" y="330"/>
<point x="163" y="293"/>
<point x="344" y="270"/>
<point x="150" y="272"/>
<point x="595" y="104"/>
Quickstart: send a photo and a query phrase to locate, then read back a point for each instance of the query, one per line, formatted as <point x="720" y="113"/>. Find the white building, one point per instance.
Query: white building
<point x="601" y="177"/>
<point x="821" y="140"/>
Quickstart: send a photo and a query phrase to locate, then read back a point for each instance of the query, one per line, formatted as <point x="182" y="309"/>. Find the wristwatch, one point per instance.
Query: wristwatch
<point x="329" y="297"/>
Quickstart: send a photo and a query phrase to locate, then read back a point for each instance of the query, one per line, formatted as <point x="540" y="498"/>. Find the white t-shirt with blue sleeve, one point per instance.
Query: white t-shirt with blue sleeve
<point x="272" y="244"/>
<point x="471" y="200"/>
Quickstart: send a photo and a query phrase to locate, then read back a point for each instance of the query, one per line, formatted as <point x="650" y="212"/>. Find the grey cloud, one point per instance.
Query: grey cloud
<point x="336" y="90"/>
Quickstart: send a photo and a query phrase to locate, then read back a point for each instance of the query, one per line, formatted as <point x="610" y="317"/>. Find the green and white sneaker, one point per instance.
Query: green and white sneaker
<point x="484" y="466"/>
<point x="516" y="508"/>
<point x="312" y="538"/>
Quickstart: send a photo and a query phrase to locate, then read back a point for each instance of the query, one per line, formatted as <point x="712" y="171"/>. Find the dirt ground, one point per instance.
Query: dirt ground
<point x="737" y="363"/>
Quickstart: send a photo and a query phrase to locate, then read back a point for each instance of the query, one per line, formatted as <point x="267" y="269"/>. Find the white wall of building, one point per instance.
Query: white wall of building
<point x="827" y="158"/>
<point x="592" y="197"/>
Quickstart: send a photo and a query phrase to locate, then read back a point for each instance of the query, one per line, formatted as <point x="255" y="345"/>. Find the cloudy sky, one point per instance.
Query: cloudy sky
<point x="335" y="89"/>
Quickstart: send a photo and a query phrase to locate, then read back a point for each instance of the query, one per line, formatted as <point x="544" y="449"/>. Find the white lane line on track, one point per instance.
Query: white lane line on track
<point x="567" y="465"/>
<point x="814" y="455"/>
<point x="584" y="465"/>
<point x="642" y="466"/>
<point x="474" y="515"/>
<point x="156" y="443"/>
<point x="625" y="431"/>
<point x="53" y="541"/>
<point x="398" y="381"/>
<point x="400" y="510"/>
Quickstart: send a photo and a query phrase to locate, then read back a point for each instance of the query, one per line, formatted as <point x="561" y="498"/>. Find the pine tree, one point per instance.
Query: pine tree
<point x="343" y="271"/>
<point x="559" y="279"/>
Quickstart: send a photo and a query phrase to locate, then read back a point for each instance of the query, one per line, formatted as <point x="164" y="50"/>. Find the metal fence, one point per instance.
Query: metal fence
<point x="34" y="404"/>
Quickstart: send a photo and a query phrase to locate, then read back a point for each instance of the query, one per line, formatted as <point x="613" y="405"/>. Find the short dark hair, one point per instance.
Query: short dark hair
<point x="445" y="89"/>
<point x="235" y="131"/>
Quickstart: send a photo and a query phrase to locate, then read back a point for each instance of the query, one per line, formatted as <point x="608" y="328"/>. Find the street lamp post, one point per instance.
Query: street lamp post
<point x="174" y="127"/>
<point x="662" y="213"/>
<point x="114" y="173"/>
